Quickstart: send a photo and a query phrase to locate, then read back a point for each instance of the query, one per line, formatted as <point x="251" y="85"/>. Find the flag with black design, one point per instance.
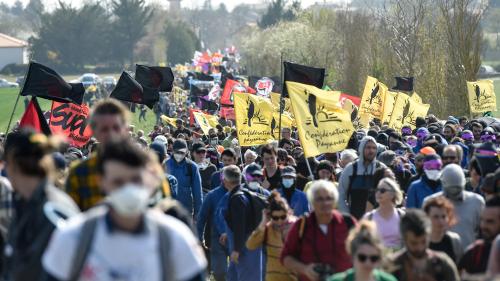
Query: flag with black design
<point x="127" y="89"/>
<point x="156" y="77"/>
<point x="404" y="84"/>
<point x="44" y="82"/>
<point x="303" y="74"/>
<point x="33" y="118"/>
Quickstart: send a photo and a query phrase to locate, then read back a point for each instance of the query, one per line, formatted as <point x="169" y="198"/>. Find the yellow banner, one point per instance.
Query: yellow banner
<point x="482" y="96"/>
<point x="416" y="98"/>
<point x="205" y="121"/>
<point x="169" y="120"/>
<point x="254" y="119"/>
<point x="389" y="102"/>
<point x="178" y="95"/>
<point x="372" y="101"/>
<point x="406" y="111"/>
<point x="275" y="99"/>
<point x="322" y="124"/>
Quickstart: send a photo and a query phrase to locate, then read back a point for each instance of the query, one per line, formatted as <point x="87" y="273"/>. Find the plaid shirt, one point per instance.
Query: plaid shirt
<point x="83" y="184"/>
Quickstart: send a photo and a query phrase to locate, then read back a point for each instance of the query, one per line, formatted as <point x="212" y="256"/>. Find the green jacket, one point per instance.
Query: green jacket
<point x="348" y="275"/>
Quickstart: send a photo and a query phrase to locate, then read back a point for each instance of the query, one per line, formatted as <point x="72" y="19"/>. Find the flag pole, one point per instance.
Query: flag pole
<point x="12" y="114"/>
<point x="311" y="176"/>
<point x="281" y="96"/>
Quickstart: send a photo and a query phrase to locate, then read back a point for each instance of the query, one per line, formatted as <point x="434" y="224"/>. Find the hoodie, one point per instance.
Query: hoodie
<point x="345" y="177"/>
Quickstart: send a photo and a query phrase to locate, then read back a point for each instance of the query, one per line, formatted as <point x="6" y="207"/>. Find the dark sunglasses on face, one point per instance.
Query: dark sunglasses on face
<point x="275" y="218"/>
<point x="382" y="190"/>
<point x="364" y="258"/>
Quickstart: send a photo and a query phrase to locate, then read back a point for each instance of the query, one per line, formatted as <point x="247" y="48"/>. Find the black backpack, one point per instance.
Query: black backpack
<point x="258" y="202"/>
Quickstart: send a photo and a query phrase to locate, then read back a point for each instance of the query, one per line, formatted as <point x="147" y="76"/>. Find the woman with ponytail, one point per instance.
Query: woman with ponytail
<point x="38" y="205"/>
<point x="366" y="250"/>
<point x="271" y="233"/>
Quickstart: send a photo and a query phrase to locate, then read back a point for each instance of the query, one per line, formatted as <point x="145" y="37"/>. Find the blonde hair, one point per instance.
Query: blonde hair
<point x="364" y="233"/>
<point x="398" y="194"/>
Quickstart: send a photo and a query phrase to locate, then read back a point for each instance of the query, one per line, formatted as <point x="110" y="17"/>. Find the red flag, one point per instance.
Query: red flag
<point x="33" y="118"/>
<point x="71" y="121"/>
<point x="355" y="100"/>
<point x="231" y="87"/>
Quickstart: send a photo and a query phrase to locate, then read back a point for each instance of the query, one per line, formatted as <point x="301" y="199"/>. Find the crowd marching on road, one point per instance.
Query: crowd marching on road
<point x="416" y="204"/>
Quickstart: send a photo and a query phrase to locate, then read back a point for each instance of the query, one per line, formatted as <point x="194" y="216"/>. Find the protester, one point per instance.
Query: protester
<point x="228" y="158"/>
<point x="253" y="178"/>
<point x="475" y="258"/>
<point x="186" y="172"/>
<point x="270" y="234"/>
<point x="366" y="250"/>
<point x="474" y="179"/>
<point x="296" y="198"/>
<point x="347" y="156"/>
<point x="428" y="183"/>
<point x="494" y="260"/>
<point x="109" y="119"/>
<point x="442" y="215"/>
<point x="416" y="261"/>
<point x="387" y="216"/>
<point x="272" y="172"/>
<point x="206" y="169"/>
<point x="308" y="250"/>
<point x="250" y="157"/>
<point x="30" y="167"/>
<point x="122" y="238"/>
<point x="452" y="154"/>
<point x="468" y="205"/>
<point x="356" y="181"/>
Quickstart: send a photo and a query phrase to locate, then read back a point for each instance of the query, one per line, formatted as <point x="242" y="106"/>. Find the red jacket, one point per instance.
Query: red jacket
<point x="313" y="246"/>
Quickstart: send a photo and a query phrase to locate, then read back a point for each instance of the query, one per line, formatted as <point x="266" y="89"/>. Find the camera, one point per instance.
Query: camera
<point x="324" y="271"/>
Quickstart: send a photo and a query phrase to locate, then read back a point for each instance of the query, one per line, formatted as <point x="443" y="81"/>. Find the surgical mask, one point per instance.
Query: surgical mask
<point x="433" y="175"/>
<point x="130" y="200"/>
<point x="287" y="183"/>
<point x="453" y="192"/>
<point x="254" y="184"/>
<point x="179" y="157"/>
<point x="203" y="165"/>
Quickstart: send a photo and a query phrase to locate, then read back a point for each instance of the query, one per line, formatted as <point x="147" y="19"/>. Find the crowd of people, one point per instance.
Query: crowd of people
<point x="175" y="204"/>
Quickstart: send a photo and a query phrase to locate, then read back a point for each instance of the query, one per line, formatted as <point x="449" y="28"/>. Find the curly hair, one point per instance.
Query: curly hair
<point x="277" y="203"/>
<point x="442" y="203"/>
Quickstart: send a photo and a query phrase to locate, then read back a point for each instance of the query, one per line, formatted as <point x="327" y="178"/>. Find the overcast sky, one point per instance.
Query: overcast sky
<point x="230" y="4"/>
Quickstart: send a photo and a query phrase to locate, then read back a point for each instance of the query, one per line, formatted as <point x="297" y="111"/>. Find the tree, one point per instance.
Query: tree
<point x="33" y="12"/>
<point x="128" y="27"/>
<point x="182" y="42"/>
<point x="276" y="12"/>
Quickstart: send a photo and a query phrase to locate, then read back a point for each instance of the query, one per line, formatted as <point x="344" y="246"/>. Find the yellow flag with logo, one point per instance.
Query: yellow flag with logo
<point x="406" y="111"/>
<point x="416" y="98"/>
<point x="203" y="120"/>
<point x="275" y="99"/>
<point x="322" y="124"/>
<point x="372" y="101"/>
<point x="482" y="96"/>
<point x="389" y="102"/>
<point x="169" y="120"/>
<point x="254" y="119"/>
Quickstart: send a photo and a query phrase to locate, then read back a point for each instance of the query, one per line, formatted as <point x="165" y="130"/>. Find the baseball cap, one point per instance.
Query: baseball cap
<point x="254" y="170"/>
<point x="198" y="147"/>
<point x="288" y="171"/>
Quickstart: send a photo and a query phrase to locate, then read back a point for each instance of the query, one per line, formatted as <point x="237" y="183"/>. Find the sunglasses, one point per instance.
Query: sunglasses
<point x="364" y="258"/>
<point x="383" y="190"/>
<point x="275" y="218"/>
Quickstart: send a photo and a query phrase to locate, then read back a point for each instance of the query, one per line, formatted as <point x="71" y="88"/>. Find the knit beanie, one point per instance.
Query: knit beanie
<point x="452" y="175"/>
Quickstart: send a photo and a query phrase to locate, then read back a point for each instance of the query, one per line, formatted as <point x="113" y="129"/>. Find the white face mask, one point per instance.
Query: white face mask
<point x="433" y="175"/>
<point x="179" y="157"/>
<point x="254" y="184"/>
<point x="287" y="183"/>
<point x="130" y="200"/>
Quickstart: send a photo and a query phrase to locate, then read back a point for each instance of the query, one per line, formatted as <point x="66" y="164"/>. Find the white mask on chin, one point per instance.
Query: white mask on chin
<point x="130" y="200"/>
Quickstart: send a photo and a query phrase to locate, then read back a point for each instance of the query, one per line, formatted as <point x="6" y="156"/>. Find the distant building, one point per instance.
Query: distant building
<point x="12" y="50"/>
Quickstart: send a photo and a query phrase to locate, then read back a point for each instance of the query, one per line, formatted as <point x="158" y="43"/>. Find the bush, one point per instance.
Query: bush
<point x="14" y="69"/>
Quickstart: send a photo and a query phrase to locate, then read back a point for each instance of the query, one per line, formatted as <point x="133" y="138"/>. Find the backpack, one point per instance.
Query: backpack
<point x="87" y="235"/>
<point x="258" y="202"/>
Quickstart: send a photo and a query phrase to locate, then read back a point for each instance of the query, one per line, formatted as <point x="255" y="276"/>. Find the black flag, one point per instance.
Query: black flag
<point x="127" y="89"/>
<point x="156" y="77"/>
<point x="44" y="82"/>
<point x="303" y="74"/>
<point x="404" y="84"/>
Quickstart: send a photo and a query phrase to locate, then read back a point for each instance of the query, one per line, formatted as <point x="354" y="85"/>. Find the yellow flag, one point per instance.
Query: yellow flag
<point x="364" y="121"/>
<point x="254" y="119"/>
<point x="169" y="120"/>
<point x="416" y="98"/>
<point x="482" y="96"/>
<point x="389" y="102"/>
<point x="372" y="101"/>
<point x="322" y="124"/>
<point x="203" y="121"/>
<point x="275" y="99"/>
<point x="406" y="111"/>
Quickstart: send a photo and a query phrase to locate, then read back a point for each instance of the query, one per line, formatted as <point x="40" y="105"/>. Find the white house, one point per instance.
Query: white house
<point x="12" y="50"/>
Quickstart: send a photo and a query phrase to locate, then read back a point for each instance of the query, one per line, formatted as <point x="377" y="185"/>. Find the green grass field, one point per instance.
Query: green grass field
<point x="8" y="99"/>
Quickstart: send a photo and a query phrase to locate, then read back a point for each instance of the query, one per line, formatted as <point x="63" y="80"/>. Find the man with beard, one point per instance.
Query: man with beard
<point x="475" y="259"/>
<point x="416" y="261"/>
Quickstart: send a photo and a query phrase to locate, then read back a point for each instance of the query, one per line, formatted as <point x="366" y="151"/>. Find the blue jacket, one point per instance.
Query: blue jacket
<point x="298" y="203"/>
<point x="215" y="180"/>
<point x="189" y="184"/>
<point x="417" y="192"/>
<point x="209" y="211"/>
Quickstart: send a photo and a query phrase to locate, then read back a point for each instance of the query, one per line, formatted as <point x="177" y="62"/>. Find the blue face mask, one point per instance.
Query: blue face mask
<point x="287" y="183"/>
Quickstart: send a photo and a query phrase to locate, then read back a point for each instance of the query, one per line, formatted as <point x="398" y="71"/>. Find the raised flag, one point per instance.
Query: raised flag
<point x="389" y="102"/>
<point x="372" y="101"/>
<point x="406" y="111"/>
<point x="71" y="121"/>
<point x="404" y="84"/>
<point x="303" y="74"/>
<point x="44" y="82"/>
<point x="416" y="98"/>
<point x="355" y="100"/>
<point x="169" y="120"/>
<point x="482" y="96"/>
<point x="205" y="121"/>
<point x="33" y="118"/>
<point x="324" y="127"/>
<point x="156" y="77"/>
<point x="129" y="90"/>
<point x="254" y="119"/>
<point x="230" y="88"/>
